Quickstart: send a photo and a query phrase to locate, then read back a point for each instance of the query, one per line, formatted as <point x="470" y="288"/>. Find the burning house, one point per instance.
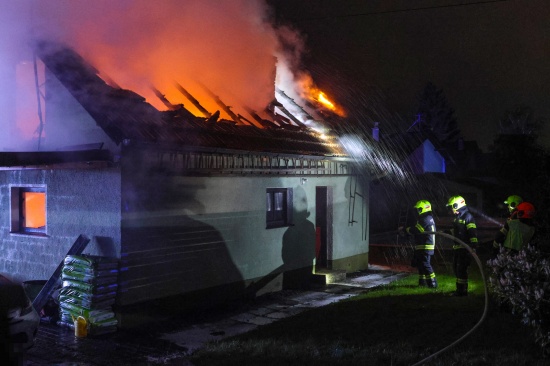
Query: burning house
<point x="225" y="207"/>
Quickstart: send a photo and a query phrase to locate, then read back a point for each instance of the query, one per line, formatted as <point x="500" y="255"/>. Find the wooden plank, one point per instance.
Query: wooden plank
<point x="42" y="297"/>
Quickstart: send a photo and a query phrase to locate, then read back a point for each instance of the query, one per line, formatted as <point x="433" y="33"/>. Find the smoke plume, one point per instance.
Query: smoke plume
<point x="228" y="46"/>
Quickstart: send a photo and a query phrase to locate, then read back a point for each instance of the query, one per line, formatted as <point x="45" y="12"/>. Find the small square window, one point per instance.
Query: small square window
<point x="28" y="210"/>
<point x="278" y="207"/>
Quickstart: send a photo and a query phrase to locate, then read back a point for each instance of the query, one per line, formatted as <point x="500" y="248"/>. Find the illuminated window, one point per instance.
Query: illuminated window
<point x="28" y="210"/>
<point x="278" y="207"/>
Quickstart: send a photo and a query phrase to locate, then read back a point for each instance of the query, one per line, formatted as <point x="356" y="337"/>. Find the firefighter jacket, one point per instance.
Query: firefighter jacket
<point x="464" y="228"/>
<point x="427" y="241"/>
<point x="515" y="234"/>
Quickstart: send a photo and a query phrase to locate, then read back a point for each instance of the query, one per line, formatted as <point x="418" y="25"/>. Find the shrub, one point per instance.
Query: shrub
<point x="520" y="282"/>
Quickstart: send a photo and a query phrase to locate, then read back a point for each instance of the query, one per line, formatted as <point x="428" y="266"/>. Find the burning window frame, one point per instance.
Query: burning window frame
<point x="28" y="210"/>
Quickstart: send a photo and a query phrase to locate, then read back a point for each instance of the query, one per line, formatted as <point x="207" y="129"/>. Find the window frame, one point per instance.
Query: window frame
<point x="16" y="210"/>
<point x="283" y="216"/>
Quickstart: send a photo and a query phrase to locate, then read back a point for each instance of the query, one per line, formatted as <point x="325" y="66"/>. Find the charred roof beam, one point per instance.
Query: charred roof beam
<point x="193" y="100"/>
<point x="291" y="101"/>
<point x="164" y="100"/>
<point x="178" y="108"/>
<point x="226" y="108"/>
<point x="264" y="122"/>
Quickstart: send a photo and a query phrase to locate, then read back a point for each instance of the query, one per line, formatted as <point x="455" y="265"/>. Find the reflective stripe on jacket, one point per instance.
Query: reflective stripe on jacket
<point x="427" y="241"/>
<point x="464" y="228"/>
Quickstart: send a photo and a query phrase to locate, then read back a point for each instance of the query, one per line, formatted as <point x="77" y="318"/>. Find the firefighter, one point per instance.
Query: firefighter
<point x="512" y="202"/>
<point x="517" y="232"/>
<point x="465" y="229"/>
<point x="424" y="244"/>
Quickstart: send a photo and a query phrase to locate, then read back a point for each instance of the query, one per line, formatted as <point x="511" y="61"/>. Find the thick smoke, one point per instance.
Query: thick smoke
<point x="228" y="46"/>
<point x="13" y="37"/>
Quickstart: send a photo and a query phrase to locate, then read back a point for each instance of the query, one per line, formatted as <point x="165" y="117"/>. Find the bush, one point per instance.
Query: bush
<point x="520" y="282"/>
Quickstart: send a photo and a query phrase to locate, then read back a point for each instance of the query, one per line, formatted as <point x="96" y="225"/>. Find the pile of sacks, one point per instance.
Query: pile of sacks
<point x="89" y="288"/>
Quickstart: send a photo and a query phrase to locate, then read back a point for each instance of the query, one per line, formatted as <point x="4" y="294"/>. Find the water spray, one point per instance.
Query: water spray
<point x="486" y="217"/>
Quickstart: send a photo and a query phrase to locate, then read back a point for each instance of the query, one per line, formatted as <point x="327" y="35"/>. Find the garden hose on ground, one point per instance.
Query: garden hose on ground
<point x="473" y="253"/>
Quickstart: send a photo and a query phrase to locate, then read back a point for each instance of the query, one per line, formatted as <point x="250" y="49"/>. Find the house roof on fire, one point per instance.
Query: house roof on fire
<point x="125" y="115"/>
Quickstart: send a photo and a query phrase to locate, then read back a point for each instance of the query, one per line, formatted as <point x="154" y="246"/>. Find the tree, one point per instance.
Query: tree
<point x="435" y="114"/>
<point x="523" y="166"/>
<point x="520" y="120"/>
<point x="515" y="146"/>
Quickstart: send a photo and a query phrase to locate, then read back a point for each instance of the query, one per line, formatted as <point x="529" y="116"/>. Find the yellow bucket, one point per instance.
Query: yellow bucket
<point x="80" y="327"/>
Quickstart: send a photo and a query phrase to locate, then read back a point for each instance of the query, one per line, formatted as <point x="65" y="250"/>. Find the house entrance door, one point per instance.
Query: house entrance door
<point x="323" y="226"/>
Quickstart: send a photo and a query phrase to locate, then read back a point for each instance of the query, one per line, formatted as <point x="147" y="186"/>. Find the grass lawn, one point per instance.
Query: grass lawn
<point x="396" y="324"/>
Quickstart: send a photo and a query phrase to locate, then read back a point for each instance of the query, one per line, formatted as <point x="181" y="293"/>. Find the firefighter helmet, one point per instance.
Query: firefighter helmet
<point x="456" y="202"/>
<point x="513" y="201"/>
<point x="423" y="206"/>
<point x="526" y="210"/>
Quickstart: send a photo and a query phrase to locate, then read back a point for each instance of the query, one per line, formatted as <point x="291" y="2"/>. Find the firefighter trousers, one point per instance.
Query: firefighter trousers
<point x="422" y="259"/>
<point x="461" y="262"/>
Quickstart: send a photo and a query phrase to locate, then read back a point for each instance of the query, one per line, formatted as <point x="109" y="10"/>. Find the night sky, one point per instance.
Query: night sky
<point x="487" y="56"/>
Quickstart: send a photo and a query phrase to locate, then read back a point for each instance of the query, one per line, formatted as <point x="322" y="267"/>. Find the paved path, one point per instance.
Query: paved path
<point x="278" y="306"/>
<point x="58" y="346"/>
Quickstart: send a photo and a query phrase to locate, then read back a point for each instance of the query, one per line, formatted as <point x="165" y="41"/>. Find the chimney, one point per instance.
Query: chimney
<point x="376" y="132"/>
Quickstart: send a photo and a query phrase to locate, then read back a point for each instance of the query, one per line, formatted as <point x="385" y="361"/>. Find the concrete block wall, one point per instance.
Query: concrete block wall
<point x="78" y="201"/>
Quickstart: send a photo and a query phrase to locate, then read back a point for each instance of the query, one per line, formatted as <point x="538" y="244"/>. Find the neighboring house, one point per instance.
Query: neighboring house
<point x="420" y="172"/>
<point x="417" y="171"/>
<point x="186" y="203"/>
<point x="426" y="159"/>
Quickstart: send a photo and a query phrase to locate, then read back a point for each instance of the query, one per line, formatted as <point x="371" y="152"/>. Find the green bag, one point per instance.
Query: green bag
<point x="92" y="261"/>
<point x="90" y="288"/>
<point x="92" y="316"/>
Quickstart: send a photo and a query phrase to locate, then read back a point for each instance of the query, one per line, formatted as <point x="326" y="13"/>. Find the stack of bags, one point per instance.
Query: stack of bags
<point x="89" y="290"/>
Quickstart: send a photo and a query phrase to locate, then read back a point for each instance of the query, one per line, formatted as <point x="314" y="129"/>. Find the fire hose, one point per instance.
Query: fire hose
<point x="486" y="307"/>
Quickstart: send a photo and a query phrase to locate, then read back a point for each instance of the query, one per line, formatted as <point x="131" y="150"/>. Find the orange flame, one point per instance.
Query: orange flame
<point x="318" y="97"/>
<point x="322" y="99"/>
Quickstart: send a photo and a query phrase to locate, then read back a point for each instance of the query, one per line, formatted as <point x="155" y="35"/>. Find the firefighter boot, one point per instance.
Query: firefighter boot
<point x="461" y="289"/>
<point x="432" y="283"/>
<point x="422" y="282"/>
